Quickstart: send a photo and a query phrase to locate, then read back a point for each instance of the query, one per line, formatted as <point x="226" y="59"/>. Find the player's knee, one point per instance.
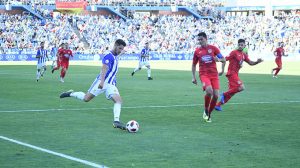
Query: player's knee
<point x="241" y="88"/>
<point x="209" y="92"/>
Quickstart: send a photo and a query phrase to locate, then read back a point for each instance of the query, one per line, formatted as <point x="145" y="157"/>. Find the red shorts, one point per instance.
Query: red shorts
<point x="64" y="64"/>
<point x="210" y="81"/>
<point x="278" y="62"/>
<point x="234" y="81"/>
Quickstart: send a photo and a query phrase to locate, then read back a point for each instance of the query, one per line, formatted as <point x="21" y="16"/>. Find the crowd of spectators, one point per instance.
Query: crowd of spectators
<point x="165" y="33"/>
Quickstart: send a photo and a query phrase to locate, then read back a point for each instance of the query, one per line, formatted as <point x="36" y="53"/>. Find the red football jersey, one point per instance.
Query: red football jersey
<point x="66" y="54"/>
<point x="236" y="59"/>
<point x="60" y="53"/>
<point x="205" y="57"/>
<point x="279" y="52"/>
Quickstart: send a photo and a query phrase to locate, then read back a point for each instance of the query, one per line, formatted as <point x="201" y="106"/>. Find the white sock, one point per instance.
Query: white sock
<point x="149" y="72"/>
<point x="117" y="111"/>
<point x="38" y="75"/>
<point x="136" y="69"/>
<point x="78" y="95"/>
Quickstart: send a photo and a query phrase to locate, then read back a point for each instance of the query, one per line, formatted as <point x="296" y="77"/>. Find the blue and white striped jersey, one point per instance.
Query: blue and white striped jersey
<point x="145" y="52"/>
<point x="112" y="62"/>
<point x="43" y="56"/>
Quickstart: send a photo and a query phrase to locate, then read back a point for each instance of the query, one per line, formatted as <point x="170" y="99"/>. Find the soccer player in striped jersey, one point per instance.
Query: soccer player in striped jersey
<point x="144" y="61"/>
<point x="105" y="82"/>
<point x="42" y="58"/>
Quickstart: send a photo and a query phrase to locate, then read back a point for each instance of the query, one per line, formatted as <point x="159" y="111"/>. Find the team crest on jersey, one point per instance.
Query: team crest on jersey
<point x="209" y="51"/>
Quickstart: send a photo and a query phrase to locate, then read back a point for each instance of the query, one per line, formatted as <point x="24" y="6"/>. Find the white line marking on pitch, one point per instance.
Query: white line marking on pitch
<point x="54" y="153"/>
<point x="136" y="107"/>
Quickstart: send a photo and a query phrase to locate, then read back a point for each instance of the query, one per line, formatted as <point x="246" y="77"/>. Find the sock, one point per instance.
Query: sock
<point x="278" y="69"/>
<point x="62" y="73"/>
<point x="117" y="111"/>
<point x="212" y="104"/>
<point x="149" y="72"/>
<point x="230" y="93"/>
<point x="136" y="69"/>
<point x="78" y="95"/>
<point x="206" y="101"/>
<point x="38" y="74"/>
<point x="42" y="72"/>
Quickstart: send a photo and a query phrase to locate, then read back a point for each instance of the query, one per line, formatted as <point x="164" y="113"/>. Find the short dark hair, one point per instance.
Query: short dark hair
<point x="120" y="42"/>
<point x="241" y="41"/>
<point x="202" y="34"/>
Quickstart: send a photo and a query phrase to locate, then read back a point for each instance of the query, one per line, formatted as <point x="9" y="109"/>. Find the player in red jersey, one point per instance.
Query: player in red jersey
<point x="58" y="57"/>
<point x="65" y="62"/>
<point x="207" y="56"/>
<point x="279" y="52"/>
<point x="64" y="55"/>
<point x="236" y="59"/>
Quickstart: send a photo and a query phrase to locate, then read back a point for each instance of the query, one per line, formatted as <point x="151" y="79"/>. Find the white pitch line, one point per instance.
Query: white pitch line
<point x="54" y="153"/>
<point x="137" y="107"/>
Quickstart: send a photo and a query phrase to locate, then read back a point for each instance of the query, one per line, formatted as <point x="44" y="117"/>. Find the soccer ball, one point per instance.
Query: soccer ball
<point x="132" y="126"/>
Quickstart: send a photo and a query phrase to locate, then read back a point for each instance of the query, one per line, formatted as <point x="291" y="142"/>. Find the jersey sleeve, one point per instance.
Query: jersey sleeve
<point x="216" y="50"/>
<point x="195" y="58"/>
<point x="230" y="56"/>
<point x="143" y="52"/>
<point x="246" y="58"/>
<point x="38" y="53"/>
<point x="107" y="59"/>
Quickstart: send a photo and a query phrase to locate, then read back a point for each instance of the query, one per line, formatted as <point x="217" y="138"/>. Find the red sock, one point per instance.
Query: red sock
<point x="278" y="69"/>
<point x="230" y="93"/>
<point x="206" y="101"/>
<point x="62" y="73"/>
<point x="212" y="105"/>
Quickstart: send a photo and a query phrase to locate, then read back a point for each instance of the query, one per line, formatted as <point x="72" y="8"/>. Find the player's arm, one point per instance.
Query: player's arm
<point x="259" y="60"/>
<point x="275" y="53"/>
<point x="143" y="54"/>
<point x="220" y="58"/>
<point x="194" y="64"/>
<point x="102" y="75"/>
<point x="38" y="54"/>
<point x="284" y="54"/>
<point x="47" y="56"/>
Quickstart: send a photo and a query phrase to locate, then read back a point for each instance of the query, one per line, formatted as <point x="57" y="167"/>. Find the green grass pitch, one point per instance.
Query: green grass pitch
<point x="257" y="128"/>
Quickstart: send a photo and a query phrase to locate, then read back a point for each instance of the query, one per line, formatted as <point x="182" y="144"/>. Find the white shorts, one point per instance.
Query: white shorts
<point x="109" y="89"/>
<point x="145" y="63"/>
<point x="41" y="65"/>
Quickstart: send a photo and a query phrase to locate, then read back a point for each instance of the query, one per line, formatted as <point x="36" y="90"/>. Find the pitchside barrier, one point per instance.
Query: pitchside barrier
<point x="153" y="56"/>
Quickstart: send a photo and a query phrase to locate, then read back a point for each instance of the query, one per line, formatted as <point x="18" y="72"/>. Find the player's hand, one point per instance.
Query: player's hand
<point x="259" y="60"/>
<point x="194" y="81"/>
